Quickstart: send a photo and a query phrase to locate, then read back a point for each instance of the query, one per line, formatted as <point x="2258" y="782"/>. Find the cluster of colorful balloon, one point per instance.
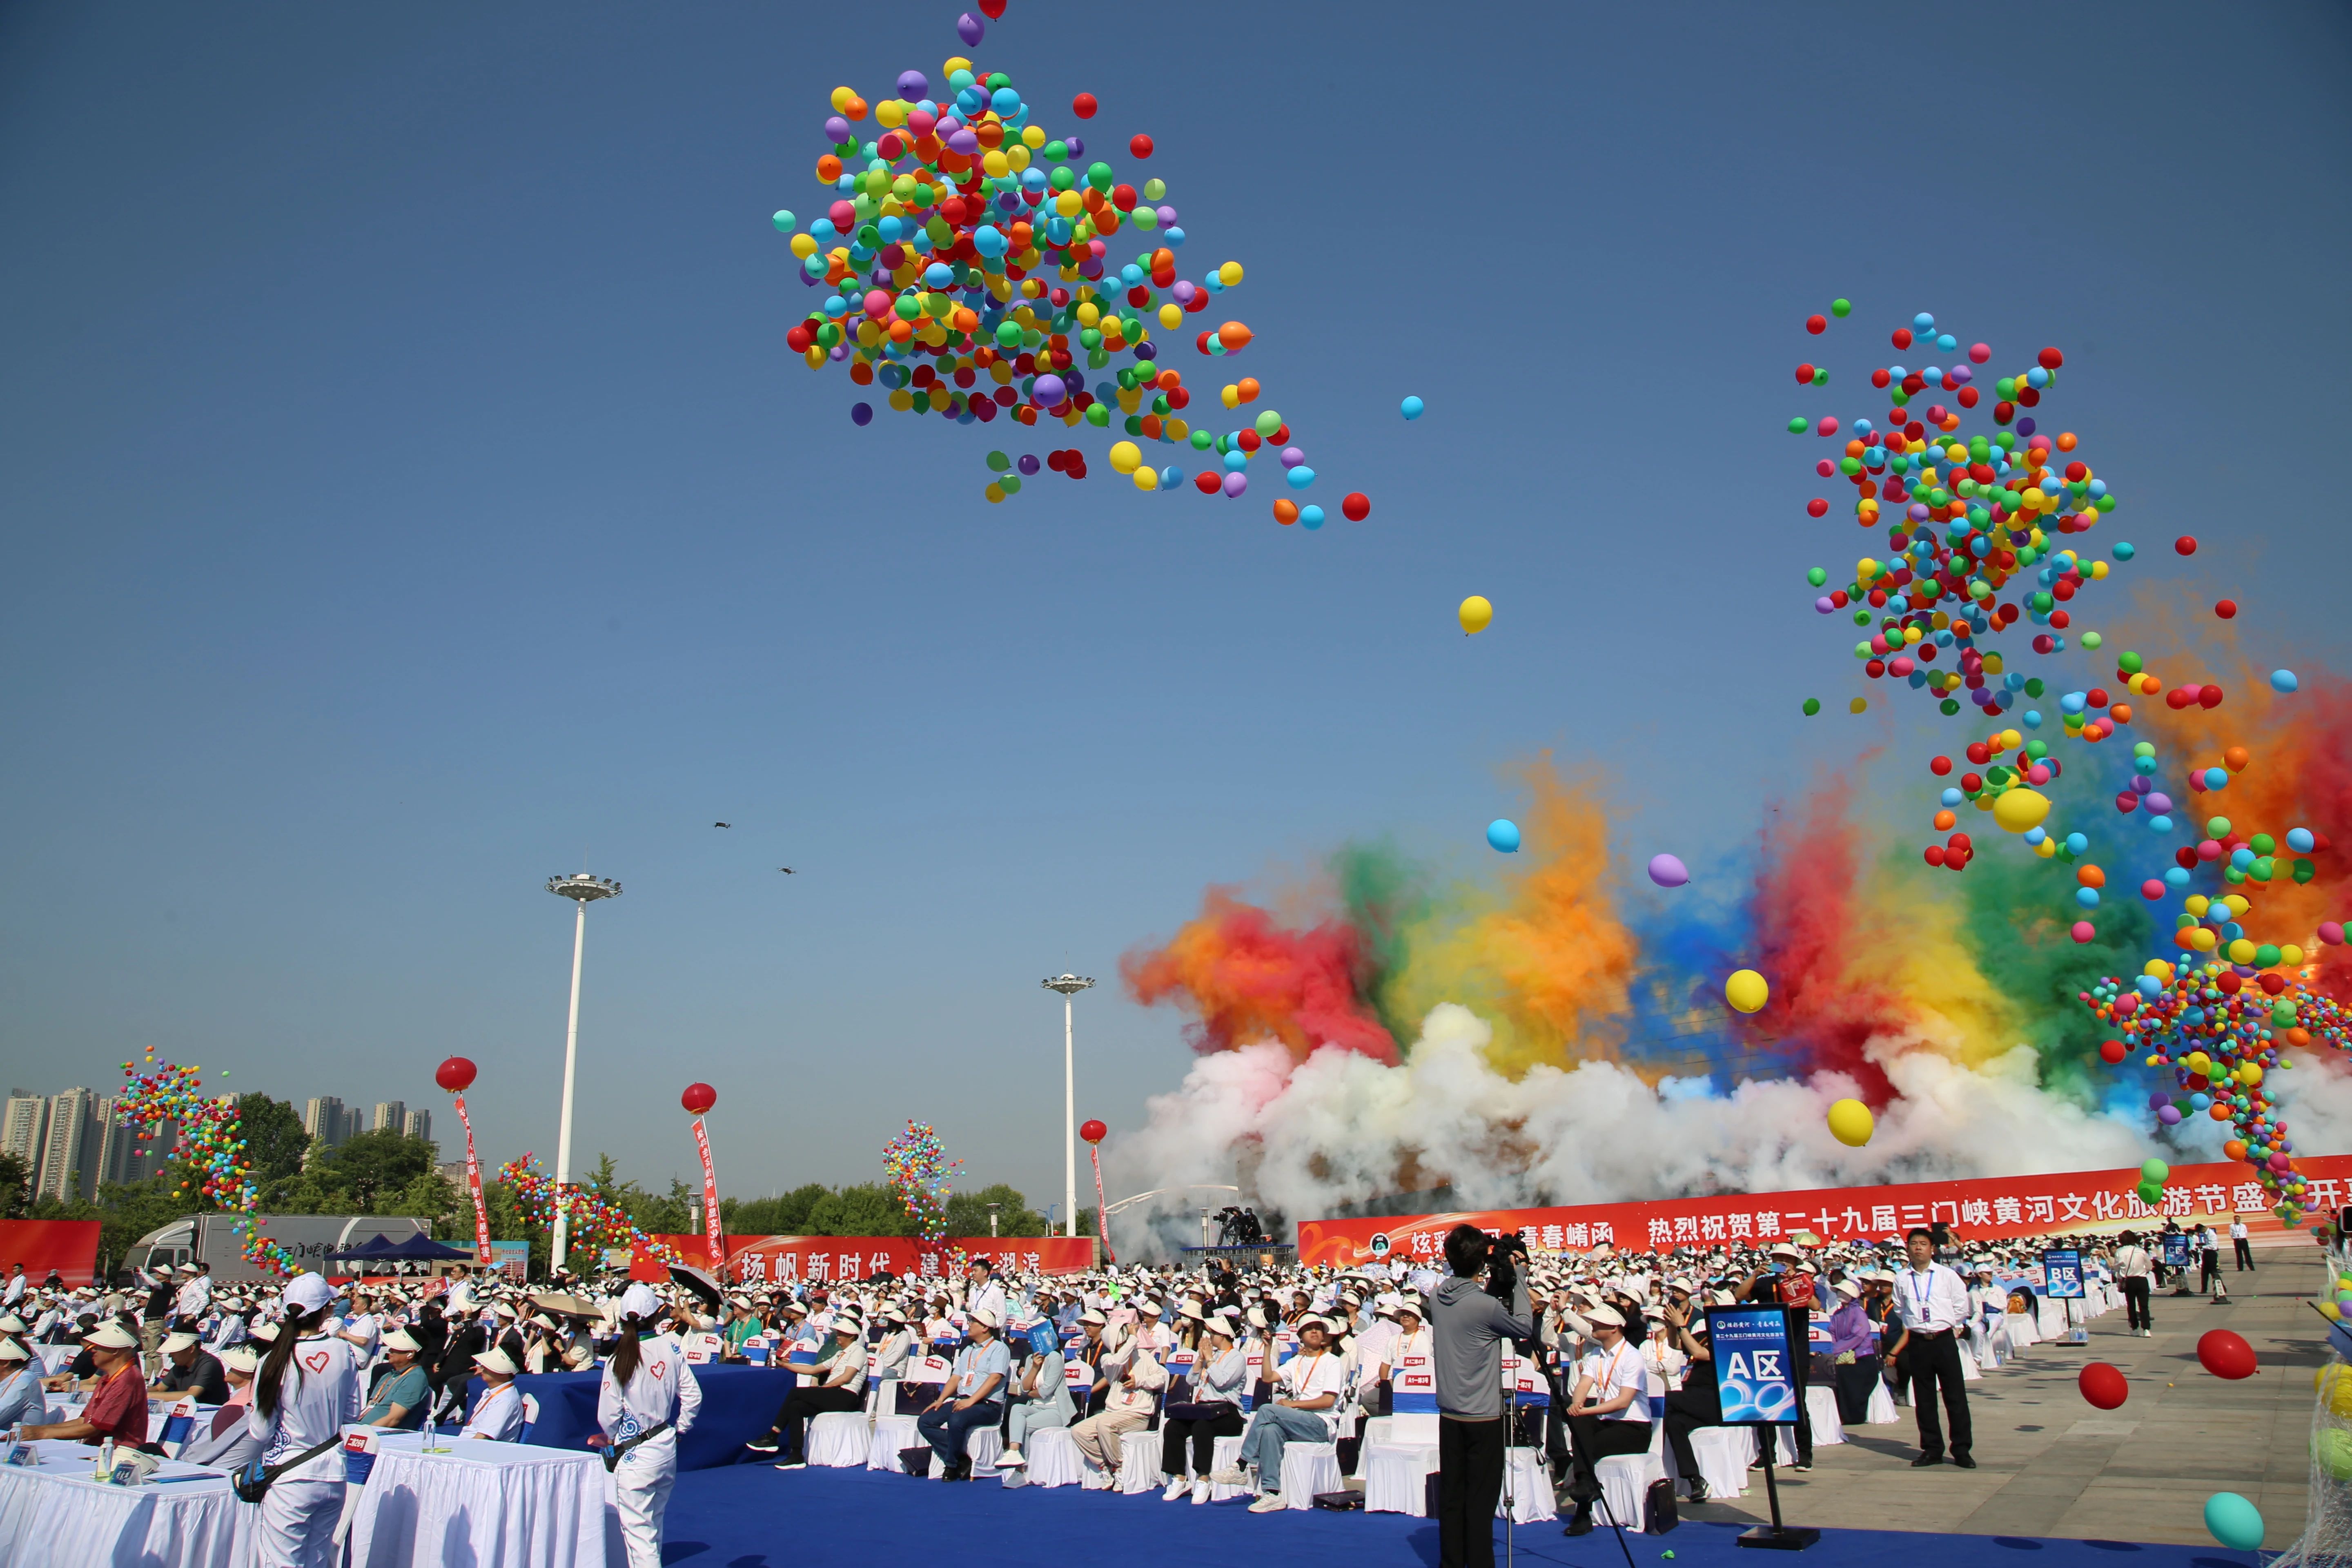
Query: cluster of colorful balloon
<point x="210" y="1141"/>
<point x="1011" y="472"/>
<point x="968" y="256"/>
<point x="919" y="1172"/>
<point x="594" y="1220"/>
<point x="2223" y="1028"/>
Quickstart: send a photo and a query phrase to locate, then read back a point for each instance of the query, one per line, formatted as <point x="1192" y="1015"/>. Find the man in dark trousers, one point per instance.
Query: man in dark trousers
<point x="1934" y="1303"/>
<point x="1468" y="1323"/>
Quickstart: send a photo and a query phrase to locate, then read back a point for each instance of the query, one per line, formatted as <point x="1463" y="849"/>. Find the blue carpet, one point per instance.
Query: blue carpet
<point x="757" y="1517"/>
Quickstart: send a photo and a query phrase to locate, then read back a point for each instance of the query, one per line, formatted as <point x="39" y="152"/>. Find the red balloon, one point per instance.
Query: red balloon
<point x="698" y="1098"/>
<point x="2112" y="1052"/>
<point x="2227" y="609"/>
<point x="2184" y="545"/>
<point x="1084" y="106"/>
<point x="2225" y="1354"/>
<point x="1355" y="506"/>
<point x="455" y="1075"/>
<point x="2103" y="1385"/>
<point x="1817" y="325"/>
<point x="994" y="11"/>
<point x="1093" y="1132"/>
<point x="1138" y="145"/>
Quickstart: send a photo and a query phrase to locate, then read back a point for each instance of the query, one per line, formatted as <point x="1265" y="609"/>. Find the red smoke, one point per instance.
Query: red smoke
<point x="1251" y="980"/>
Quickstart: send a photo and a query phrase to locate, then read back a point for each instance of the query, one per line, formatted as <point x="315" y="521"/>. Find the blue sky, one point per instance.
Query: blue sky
<point x="407" y="491"/>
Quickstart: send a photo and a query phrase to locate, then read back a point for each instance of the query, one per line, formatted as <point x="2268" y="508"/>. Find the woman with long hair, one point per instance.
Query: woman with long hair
<point x="304" y="1393"/>
<point x="647" y="1399"/>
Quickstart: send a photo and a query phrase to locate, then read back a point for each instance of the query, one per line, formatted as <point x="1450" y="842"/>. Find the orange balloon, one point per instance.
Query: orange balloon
<point x="2235" y="1149"/>
<point x="2237" y="757"/>
<point x="1234" y="335"/>
<point x="1943" y="821"/>
<point x="1246" y="388"/>
<point x="1286" y="511"/>
<point x="2091" y="877"/>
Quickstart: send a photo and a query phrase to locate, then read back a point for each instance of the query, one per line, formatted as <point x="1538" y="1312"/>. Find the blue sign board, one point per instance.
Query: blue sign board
<point x="1751" y="1363"/>
<point x="2062" y="1274"/>
<point x="2175" y="1249"/>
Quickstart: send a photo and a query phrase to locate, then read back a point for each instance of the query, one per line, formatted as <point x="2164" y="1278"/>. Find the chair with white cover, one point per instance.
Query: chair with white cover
<point x="1139" y="1469"/>
<point x="1396" y="1478"/>
<point x="1724" y="1454"/>
<point x="1227" y="1456"/>
<point x="981" y="1445"/>
<point x="891" y="1433"/>
<point x="1309" y="1468"/>
<point x="1625" y="1480"/>
<point x="1881" y="1409"/>
<point x="1053" y="1456"/>
<point x="1820" y="1404"/>
<point x="1527" y="1497"/>
<point x="840" y="1440"/>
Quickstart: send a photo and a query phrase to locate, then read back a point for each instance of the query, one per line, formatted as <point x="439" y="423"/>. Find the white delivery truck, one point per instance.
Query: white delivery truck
<point x="214" y="1238"/>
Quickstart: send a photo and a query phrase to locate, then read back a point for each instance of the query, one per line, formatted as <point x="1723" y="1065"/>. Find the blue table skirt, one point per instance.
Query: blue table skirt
<point x="738" y="1403"/>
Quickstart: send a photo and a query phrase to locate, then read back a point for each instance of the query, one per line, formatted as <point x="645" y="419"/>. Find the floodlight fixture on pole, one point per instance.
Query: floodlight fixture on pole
<point x="1069" y="985"/>
<point x="582" y="890"/>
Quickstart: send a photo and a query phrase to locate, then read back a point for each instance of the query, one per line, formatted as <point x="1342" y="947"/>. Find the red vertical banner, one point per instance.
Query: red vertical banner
<point x="709" y="1192"/>
<point x="474" y="1182"/>
<point x="1102" y="1220"/>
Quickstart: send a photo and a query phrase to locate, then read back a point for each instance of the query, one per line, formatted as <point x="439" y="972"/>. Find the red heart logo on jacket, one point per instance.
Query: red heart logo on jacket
<point x="317" y="1363"/>
<point x="658" y="1368"/>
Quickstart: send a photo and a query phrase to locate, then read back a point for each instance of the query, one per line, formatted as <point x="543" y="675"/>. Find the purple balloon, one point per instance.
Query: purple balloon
<point x="1185" y="291"/>
<point x="1667" y="871"/>
<point x="1047" y="392"/>
<point x="2159" y="803"/>
<point x="1236" y="482"/>
<point x="1292" y="457"/>
<point x="913" y="84"/>
<point x="1825" y="604"/>
<point x="1167" y="215"/>
<point x="1029" y="463"/>
<point x="966" y="141"/>
<point x="971" y="28"/>
<point x="1078" y="148"/>
<point x="836" y="128"/>
<point x="2169" y="1115"/>
<point x="861" y="413"/>
<point x="1147" y="350"/>
<point x="2158" y="1099"/>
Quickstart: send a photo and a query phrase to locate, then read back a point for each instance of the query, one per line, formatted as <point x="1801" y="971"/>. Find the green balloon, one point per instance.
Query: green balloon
<point x="999" y="461"/>
<point x="1800" y="425"/>
<point x="1816" y="576"/>
<point x="1008" y="335"/>
<point x="2153" y="1170"/>
<point x="1100" y="177"/>
<point x="1841" y="309"/>
<point x="1268" y="423"/>
<point x="1821" y="377"/>
<point x="785" y="221"/>
<point x="2092" y="640"/>
<point x="1813" y="706"/>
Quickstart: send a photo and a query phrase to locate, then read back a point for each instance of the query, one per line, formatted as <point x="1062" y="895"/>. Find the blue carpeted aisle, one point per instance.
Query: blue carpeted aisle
<point x="752" y="1516"/>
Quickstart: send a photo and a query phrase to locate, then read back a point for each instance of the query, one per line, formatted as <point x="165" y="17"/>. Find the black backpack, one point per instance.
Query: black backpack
<point x="1658" y="1513"/>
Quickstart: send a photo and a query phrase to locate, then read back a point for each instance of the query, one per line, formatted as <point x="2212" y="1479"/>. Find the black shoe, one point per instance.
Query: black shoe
<point x="957" y="1472"/>
<point x="1924" y="1461"/>
<point x="1698" y="1492"/>
<point x="1964" y="1461"/>
<point x="1581" y="1524"/>
<point x="767" y="1444"/>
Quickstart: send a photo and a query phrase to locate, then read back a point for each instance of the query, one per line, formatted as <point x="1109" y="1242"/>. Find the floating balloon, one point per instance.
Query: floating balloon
<point x="1412" y="407"/>
<point x="455" y="1075"/>
<point x="698" y="1098"/>
<point x="2018" y="810"/>
<point x="2233" y="1521"/>
<point x="593" y="1219"/>
<point x="2103" y="1385"/>
<point x="1851" y="1122"/>
<point x="1504" y="834"/>
<point x="1474" y="614"/>
<point x="2225" y="1354"/>
<point x="1668" y="871"/>
<point x="1746" y="991"/>
<point x="1093" y="1132"/>
<point x="922" y="1176"/>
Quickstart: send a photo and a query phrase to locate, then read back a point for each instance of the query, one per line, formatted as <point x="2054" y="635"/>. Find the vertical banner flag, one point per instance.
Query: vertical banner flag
<point x="1751" y="1361"/>
<point x="710" y="1191"/>
<point x="474" y="1185"/>
<point x="2062" y="1274"/>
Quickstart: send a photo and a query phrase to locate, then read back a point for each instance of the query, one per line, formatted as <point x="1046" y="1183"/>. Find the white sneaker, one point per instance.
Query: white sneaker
<point x="1011" y="1459"/>
<point x="1201" y="1491"/>
<point x="1175" y="1488"/>
<point x="1236" y="1477"/>
<point x="1268" y="1502"/>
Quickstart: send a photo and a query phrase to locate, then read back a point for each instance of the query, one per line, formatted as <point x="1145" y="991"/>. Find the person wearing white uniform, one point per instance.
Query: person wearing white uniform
<point x="194" y="1298"/>
<point x="499" y="1416"/>
<point x="1935" y="1307"/>
<point x="648" y="1399"/>
<point x="303" y="1395"/>
<point x="1608" y="1411"/>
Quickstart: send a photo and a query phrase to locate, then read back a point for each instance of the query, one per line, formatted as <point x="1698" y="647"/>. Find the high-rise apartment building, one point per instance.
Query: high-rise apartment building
<point x="24" y="1124"/>
<point x="69" y="1168"/>
<point x="418" y="1125"/>
<point x="390" y="1114"/>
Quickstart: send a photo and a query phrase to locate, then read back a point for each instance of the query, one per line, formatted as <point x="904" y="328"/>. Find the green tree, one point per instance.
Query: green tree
<point x="968" y="1213"/>
<point x="275" y="1143"/>
<point x="15" y="1187"/>
<point x="784" y="1215"/>
<point x="366" y="1173"/>
<point x="870" y="1208"/>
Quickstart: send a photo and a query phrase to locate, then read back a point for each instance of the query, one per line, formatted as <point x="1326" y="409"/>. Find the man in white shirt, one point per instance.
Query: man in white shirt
<point x="499" y="1416"/>
<point x="2134" y="1270"/>
<point x="15" y="1291"/>
<point x="1935" y="1307"/>
<point x="981" y="1292"/>
<point x="1305" y="1412"/>
<point x="2240" y="1244"/>
<point x="1608" y="1410"/>
<point x="194" y="1296"/>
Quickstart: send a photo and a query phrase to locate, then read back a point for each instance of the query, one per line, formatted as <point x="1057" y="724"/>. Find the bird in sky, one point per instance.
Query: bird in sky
<point x="787" y="870"/>
<point x="722" y="824"/>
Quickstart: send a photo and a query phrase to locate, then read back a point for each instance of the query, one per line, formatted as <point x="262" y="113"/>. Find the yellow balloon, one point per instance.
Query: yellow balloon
<point x="1475" y="613"/>
<point x="1146" y="479"/>
<point x="1851" y="1122"/>
<point x="1124" y="457"/>
<point x="2334" y="1386"/>
<point x="2020" y="809"/>
<point x="1746" y="991"/>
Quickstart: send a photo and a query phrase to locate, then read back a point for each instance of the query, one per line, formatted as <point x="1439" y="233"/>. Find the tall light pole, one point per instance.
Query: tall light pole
<point x="1069" y="985"/>
<point x="582" y="890"/>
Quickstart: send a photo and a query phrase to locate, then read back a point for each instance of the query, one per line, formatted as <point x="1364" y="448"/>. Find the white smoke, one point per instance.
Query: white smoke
<point x="1341" y="1129"/>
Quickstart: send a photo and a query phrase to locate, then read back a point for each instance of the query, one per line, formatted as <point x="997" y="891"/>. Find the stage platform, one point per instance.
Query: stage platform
<point x="749" y="1516"/>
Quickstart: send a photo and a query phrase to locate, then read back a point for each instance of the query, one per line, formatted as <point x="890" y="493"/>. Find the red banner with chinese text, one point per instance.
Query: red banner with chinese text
<point x="67" y="1246"/>
<point x="805" y="1260"/>
<point x="1982" y="1209"/>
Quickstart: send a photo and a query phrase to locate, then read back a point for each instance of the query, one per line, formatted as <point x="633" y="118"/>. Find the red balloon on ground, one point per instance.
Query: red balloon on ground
<point x="2103" y="1385"/>
<point x="698" y="1098"/>
<point x="1093" y="1132"/>
<point x="1084" y="106"/>
<point x="1356" y="506"/>
<point x="1139" y="146"/>
<point x="2225" y="1354"/>
<point x="455" y="1075"/>
<point x="2227" y="609"/>
<point x="2184" y="545"/>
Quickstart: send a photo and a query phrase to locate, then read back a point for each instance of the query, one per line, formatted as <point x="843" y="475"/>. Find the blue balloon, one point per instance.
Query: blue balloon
<point x="1412" y="407"/>
<point x="784" y="221"/>
<point x="1310" y="517"/>
<point x="2284" y="681"/>
<point x="2300" y="840"/>
<point x="1301" y="477"/>
<point x="861" y="413"/>
<point x="1504" y="834"/>
<point x="2233" y="1521"/>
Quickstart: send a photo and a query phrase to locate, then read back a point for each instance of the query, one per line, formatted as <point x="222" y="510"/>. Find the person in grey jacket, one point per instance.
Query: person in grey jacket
<point x="1468" y="1325"/>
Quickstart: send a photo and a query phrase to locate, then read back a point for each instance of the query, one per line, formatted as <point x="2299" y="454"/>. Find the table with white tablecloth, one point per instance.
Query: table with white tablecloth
<point x="483" y="1504"/>
<point x="183" y="1517"/>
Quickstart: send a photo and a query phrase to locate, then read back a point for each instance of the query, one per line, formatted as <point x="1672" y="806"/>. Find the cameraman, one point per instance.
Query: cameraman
<point x="1469" y="1323"/>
